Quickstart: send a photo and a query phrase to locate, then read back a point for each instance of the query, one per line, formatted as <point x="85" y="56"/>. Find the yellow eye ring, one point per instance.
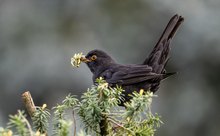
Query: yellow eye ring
<point x="94" y="57"/>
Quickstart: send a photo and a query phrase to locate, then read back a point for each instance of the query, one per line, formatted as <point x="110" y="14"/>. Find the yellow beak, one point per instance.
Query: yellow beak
<point x="85" y="60"/>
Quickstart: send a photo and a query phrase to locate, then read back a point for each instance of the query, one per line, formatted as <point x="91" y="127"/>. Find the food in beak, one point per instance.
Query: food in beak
<point x="78" y="58"/>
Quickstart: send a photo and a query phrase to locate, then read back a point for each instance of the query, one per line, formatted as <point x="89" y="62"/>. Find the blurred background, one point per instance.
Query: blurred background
<point x="38" y="38"/>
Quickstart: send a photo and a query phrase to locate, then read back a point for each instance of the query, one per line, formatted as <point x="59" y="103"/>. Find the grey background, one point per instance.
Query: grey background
<point x="38" y="38"/>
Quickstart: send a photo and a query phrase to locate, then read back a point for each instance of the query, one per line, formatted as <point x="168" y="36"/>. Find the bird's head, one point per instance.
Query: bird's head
<point x="97" y="60"/>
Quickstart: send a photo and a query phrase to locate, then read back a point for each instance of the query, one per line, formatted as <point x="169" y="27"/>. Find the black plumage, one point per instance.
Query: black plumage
<point x="134" y="77"/>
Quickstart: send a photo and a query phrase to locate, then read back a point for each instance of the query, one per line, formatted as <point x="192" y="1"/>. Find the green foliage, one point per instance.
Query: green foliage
<point x="70" y="101"/>
<point x="99" y="103"/>
<point x="96" y="101"/>
<point x="99" y="112"/>
<point x="40" y="119"/>
<point x="20" y="123"/>
<point x="137" y="119"/>
<point x="61" y="125"/>
<point x="63" y="129"/>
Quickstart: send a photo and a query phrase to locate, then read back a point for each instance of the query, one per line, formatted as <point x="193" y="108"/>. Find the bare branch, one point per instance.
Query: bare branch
<point x="29" y="103"/>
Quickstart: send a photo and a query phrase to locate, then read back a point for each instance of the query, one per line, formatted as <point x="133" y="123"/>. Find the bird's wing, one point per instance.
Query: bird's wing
<point x="130" y="74"/>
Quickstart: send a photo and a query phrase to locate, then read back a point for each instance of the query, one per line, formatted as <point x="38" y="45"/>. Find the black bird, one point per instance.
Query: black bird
<point x="134" y="77"/>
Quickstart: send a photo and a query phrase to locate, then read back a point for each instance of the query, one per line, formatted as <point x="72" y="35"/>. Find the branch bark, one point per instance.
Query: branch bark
<point x="104" y="126"/>
<point x="29" y="103"/>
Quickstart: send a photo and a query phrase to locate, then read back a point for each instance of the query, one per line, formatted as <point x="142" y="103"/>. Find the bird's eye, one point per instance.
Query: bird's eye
<point x="94" y="57"/>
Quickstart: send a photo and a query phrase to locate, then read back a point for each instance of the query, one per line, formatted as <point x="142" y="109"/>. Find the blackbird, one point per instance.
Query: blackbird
<point x="134" y="77"/>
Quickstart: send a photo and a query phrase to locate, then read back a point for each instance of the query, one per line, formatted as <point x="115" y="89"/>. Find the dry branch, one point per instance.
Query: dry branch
<point x="29" y="103"/>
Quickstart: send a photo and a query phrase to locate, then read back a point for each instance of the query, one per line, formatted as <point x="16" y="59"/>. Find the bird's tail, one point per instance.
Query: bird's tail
<point x="159" y="56"/>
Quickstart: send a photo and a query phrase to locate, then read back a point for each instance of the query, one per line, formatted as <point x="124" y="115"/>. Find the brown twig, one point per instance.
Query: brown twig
<point x="120" y="125"/>
<point x="29" y="103"/>
<point x="74" y="123"/>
